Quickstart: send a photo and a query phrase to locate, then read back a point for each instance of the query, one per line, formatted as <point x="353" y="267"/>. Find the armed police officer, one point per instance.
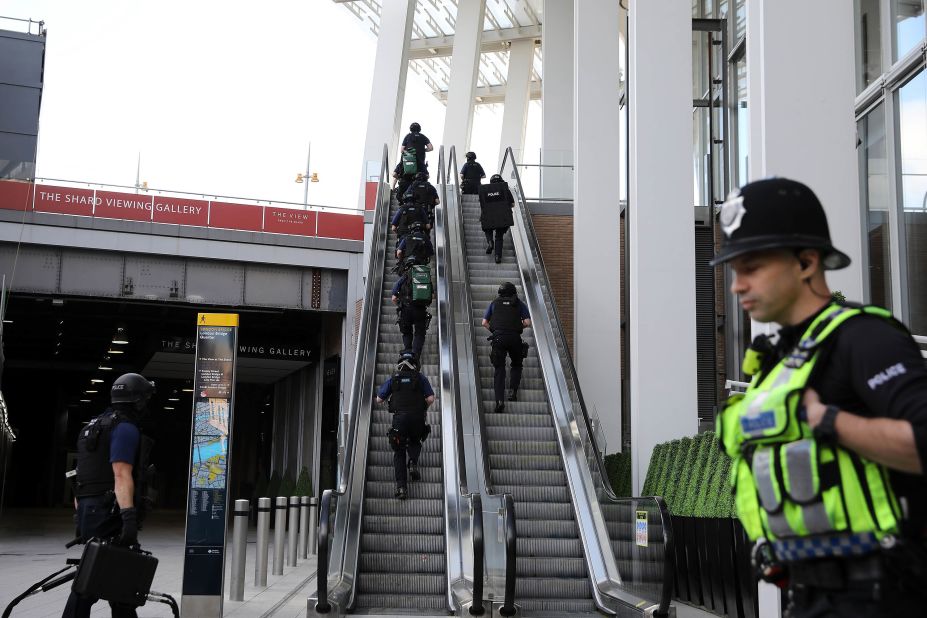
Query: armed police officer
<point x="471" y="175"/>
<point x="506" y="318"/>
<point x="423" y="193"/>
<point x="412" y="298"/>
<point x="496" y="204"/>
<point x="416" y="142"/>
<point x="409" y="393"/>
<point x="415" y="247"/>
<point x="830" y="439"/>
<point x="111" y="454"/>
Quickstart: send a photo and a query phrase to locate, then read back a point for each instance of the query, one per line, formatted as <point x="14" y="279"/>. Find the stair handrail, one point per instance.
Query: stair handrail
<point x="349" y="494"/>
<point x="600" y="559"/>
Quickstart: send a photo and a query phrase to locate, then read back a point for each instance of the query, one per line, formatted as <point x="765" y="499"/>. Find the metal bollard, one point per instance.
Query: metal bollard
<point x="303" y="527"/>
<point x="291" y="535"/>
<point x="263" y="536"/>
<point x="239" y="546"/>
<point x="279" y="531"/>
<point x="313" y="525"/>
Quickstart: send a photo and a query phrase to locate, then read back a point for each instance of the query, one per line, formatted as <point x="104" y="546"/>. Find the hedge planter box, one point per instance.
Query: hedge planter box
<point x="713" y="566"/>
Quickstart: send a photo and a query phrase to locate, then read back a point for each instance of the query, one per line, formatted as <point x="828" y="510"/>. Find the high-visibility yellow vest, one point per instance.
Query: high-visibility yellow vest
<point x="787" y="484"/>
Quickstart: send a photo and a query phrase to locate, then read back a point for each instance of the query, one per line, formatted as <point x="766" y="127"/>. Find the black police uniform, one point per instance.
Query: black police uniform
<point x="93" y="490"/>
<point x="473" y="174"/>
<point x="408" y="429"/>
<point x="408" y="214"/>
<point x="417" y="141"/>
<point x="873" y="369"/>
<point x="413" y="319"/>
<point x="424" y="194"/>
<point x="496" y="213"/>
<point x="505" y="322"/>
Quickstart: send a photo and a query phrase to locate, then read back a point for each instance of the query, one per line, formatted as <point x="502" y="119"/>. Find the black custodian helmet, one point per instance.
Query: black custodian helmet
<point x="132" y="388"/>
<point x="776" y="213"/>
<point x="507" y="288"/>
<point x="415" y="127"/>
<point x="495" y="178"/>
<point x="471" y="156"/>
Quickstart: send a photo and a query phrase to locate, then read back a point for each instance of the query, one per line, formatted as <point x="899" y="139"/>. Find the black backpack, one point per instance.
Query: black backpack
<point x="409" y="214"/>
<point x="416" y="247"/>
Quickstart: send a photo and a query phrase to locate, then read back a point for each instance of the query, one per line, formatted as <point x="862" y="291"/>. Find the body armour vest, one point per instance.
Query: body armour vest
<point x="495" y="207"/>
<point x="409" y="214"/>
<point x="788" y="484"/>
<point x="407" y="394"/>
<point x="94" y="470"/>
<point x="506" y="315"/>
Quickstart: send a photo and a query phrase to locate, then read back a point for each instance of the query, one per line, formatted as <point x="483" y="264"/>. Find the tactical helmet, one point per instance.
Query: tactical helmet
<point x="496" y="178"/>
<point x="407" y="359"/>
<point x="776" y="213"/>
<point x="132" y="388"/>
<point x="415" y="127"/>
<point x="507" y="289"/>
<point x="416" y="226"/>
<point x="471" y="156"/>
<point x="422" y="175"/>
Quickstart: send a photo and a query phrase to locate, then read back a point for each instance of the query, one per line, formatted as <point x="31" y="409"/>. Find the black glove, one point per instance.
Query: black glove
<point x="129" y="534"/>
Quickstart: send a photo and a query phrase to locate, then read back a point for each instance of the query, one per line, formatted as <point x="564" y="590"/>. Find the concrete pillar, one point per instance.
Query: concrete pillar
<point x="662" y="231"/>
<point x="465" y="66"/>
<point x="517" y="96"/>
<point x="597" y="310"/>
<point x="557" y="98"/>
<point x="801" y="106"/>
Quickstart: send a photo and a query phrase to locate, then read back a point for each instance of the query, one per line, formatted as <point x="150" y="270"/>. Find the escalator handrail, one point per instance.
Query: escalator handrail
<point x="557" y="326"/>
<point x="600" y="559"/>
<point x="511" y="556"/>
<point x="322" y="606"/>
<point x="350" y="491"/>
<point x="454" y="471"/>
<point x="479" y="553"/>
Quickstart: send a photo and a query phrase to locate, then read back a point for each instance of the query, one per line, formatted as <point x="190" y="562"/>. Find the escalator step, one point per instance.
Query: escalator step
<point x="403" y="563"/>
<point x="387" y="524"/>
<point x="405" y="583"/>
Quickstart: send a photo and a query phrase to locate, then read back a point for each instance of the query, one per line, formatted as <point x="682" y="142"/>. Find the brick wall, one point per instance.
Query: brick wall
<point x="555" y="235"/>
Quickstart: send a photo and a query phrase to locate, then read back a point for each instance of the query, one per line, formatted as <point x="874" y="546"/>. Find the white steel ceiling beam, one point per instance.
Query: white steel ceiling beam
<point x="491" y="41"/>
<point x="485" y="95"/>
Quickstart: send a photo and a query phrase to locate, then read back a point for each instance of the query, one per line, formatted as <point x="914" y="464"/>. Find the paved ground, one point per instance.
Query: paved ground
<point x="32" y="546"/>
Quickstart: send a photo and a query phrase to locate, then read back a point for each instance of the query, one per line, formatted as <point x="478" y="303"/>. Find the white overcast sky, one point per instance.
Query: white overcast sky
<point x="219" y="97"/>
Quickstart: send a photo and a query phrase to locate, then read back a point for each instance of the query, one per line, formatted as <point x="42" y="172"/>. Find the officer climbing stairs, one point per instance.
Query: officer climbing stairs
<point x="401" y="564"/>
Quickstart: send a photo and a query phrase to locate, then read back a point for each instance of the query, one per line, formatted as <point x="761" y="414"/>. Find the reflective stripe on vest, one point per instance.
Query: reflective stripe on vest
<point x="787" y="485"/>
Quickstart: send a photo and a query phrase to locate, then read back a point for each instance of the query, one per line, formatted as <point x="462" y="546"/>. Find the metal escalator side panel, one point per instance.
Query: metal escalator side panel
<point x="602" y="567"/>
<point x="349" y="506"/>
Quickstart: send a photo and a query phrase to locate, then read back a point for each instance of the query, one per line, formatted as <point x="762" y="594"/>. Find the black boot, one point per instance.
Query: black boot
<point x="498" y="259"/>
<point x="401" y="493"/>
<point x="489" y="247"/>
<point x="414" y="474"/>
<point x="513" y="395"/>
<point x="500" y="406"/>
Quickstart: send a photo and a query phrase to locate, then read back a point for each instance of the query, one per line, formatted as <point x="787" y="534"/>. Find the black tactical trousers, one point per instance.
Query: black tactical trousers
<point x="502" y="345"/>
<point x="413" y="324"/>
<point x="91" y="513"/>
<point x="499" y="234"/>
<point x="411" y="428"/>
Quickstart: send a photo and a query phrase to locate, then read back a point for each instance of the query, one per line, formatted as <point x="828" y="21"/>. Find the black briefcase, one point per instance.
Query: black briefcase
<point x="114" y="573"/>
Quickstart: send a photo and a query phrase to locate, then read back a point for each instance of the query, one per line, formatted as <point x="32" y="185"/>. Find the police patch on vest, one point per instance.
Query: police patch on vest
<point x="760" y="422"/>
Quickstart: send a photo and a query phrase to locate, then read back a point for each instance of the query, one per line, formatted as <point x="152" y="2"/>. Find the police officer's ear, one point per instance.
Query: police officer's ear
<point x="807" y="262"/>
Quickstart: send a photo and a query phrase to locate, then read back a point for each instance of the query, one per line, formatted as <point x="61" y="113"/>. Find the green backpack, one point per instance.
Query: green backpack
<point x="409" y="161"/>
<point x="420" y="289"/>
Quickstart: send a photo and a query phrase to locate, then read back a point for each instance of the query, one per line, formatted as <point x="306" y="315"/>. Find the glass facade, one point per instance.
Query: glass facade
<point x="912" y="166"/>
<point x="892" y="129"/>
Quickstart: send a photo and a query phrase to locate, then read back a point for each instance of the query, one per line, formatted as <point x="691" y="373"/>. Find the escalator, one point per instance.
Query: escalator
<point x="402" y="562"/>
<point x="523" y="451"/>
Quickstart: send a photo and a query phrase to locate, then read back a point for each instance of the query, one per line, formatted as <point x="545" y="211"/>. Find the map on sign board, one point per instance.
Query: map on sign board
<point x="210" y="443"/>
<point x="640" y="529"/>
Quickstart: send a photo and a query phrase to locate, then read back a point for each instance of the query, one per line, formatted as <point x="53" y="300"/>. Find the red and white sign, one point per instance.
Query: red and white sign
<point x="180" y="210"/>
<point x="15" y="195"/>
<point x="129" y="206"/>
<point x="64" y="200"/>
<point x="289" y="221"/>
<point x="236" y="216"/>
<point x="335" y="225"/>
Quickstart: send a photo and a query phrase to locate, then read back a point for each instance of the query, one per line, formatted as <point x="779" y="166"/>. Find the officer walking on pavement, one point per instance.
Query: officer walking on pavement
<point x="829" y="441"/>
<point x="506" y="318"/>
<point x="111" y="455"/>
<point x="409" y="393"/>
<point x="496" y="204"/>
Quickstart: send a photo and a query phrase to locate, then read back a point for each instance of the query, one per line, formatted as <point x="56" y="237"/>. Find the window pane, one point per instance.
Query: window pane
<point x="912" y="114"/>
<point x="740" y="19"/>
<point x="741" y="123"/>
<point x="909" y="25"/>
<point x="874" y="172"/>
<point x="869" y="39"/>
